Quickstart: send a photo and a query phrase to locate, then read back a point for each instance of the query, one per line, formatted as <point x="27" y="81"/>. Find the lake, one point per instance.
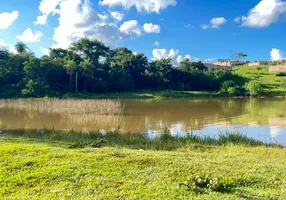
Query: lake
<point x="263" y="119"/>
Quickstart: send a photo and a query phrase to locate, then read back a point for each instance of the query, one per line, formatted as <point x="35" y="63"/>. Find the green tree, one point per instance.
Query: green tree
<point x="254" y="88"/>
<point x="160" y="71"/>
<point x="71" y="68"/>
<point x="21" y="48"/>
<point x="89" y="49"/>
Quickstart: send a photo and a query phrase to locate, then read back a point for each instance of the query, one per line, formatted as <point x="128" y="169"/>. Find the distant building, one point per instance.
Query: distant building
<point x="278" y="68"/>
<point x="211" y="66"/>
<point x="228" y="63"/>
<point x="257" y="63"/>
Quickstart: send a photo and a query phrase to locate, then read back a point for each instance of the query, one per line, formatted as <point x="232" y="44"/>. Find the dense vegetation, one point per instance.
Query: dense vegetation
<point x="88" y="66"/>
<point x="51" y="165"/>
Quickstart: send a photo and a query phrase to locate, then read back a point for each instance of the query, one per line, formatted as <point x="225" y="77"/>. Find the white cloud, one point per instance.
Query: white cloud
<point x="164" y="53"/>
<point x="7" y="19"/>
<point x="276" y="54"/>
<point x="237" y="19"/>
<point x="29" y="36"/>
<point x="214" y="23"/>
<point x="130" y="27"/>
<point x="265" y="13"/>
<point x="78" y="19"/>
<point x="148" y="6"/>
<point x="45" y="51"/>
<point x="151" y="28"/>
<point x="181" y="58"/>
<point x="217" y="22"/>
<point x="204" y="26"/>
<point x="156" y="43"/>
<point x="7" y="46"/>
<point x="46" y="7"/>
<point x="172" y="53"/>
<point x="41" y="20"/>
<point x="117" y="15"/>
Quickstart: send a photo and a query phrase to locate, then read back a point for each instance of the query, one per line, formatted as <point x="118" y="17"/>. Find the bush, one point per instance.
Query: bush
<point x="229" y="87"/>
<point x="233" y="91"/>
<point x="281" y="74"/>
<point x="254" y="88"/>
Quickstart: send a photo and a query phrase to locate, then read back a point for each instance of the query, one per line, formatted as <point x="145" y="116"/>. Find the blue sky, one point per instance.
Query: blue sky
<point x="196" y="29"/>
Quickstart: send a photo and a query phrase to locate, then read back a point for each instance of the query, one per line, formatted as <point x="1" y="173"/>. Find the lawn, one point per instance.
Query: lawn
<point x="131" y="167"/>
<point x="273" y="85"/>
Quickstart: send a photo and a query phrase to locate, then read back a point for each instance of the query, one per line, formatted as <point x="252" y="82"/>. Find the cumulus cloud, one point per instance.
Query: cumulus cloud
<point x="29" y="36"/>
<point x="172" y="54"/>
<point x="47" y="7"/>
<point x="181" y="58"/>
<point x="214" y="23"/>
<point x="265" y="13"/>
<point x="130" y="27"/>
<point x="78" y="19"/>
<point x="217" y="22"/>
<point x="7" y="46"/>
<point x="151" y="28"/>
<point x="45" y="51"/>
<point x="164" y="53"/>
<point x="276" y="54"/>
<point x="7" y="19"/>
<point x="85" y="23"/>
<point x="148" y="6"/>
<point x="117" y="15"/>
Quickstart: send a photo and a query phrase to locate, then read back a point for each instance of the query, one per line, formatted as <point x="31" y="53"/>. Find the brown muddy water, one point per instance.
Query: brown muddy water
<point x="263" y="119"/>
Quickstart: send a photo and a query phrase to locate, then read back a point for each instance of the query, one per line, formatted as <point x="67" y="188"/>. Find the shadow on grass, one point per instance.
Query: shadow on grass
<point x="164" y="140"/>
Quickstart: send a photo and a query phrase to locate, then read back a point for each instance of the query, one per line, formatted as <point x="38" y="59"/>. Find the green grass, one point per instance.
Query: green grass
<point x="273" y="85"/>
<point x="144" y="95"/>
<point x="52" y="165"/>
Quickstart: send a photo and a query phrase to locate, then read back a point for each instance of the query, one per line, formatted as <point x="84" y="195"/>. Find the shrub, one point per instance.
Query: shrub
<point x="233" y="90"/>
<point x="229" y="87"/>
<point x="254" y="88"/>
<point x="281" y="74"/>
<point x="227" y="84"/>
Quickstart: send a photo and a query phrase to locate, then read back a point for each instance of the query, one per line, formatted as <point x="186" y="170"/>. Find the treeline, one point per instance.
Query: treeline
<point x="88" y="66"/>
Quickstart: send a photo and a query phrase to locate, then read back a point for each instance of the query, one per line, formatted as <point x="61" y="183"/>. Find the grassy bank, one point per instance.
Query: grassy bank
<point x="49" y="165"/>
<point x="144" y="95"/>
<point x="272" y="85"/>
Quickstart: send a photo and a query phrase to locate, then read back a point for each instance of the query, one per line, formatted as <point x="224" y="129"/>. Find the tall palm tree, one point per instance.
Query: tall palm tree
<point x="87" y="70"/>
<point x="70" y="66"/>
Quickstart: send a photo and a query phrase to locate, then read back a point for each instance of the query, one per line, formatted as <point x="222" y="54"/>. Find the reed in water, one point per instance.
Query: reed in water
<point x="65" y="106"/>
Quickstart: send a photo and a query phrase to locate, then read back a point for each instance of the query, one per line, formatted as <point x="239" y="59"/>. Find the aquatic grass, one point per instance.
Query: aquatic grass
<point x="164" y="141"/>
<point x="65" y="106"/>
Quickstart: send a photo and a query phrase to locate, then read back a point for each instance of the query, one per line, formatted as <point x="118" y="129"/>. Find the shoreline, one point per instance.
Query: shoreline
<point x="149" y="95"/>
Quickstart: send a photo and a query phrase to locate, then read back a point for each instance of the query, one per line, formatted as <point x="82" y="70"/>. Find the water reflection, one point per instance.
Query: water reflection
<point x="263" y="119"/>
